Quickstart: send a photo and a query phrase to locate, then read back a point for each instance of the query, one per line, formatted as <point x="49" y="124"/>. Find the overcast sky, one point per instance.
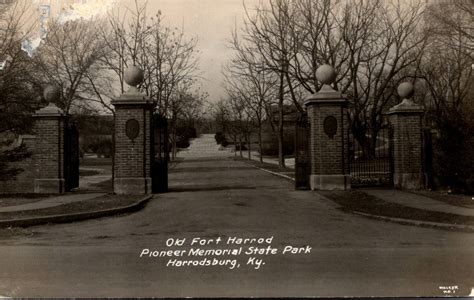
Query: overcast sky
<point x="211" y="21"/>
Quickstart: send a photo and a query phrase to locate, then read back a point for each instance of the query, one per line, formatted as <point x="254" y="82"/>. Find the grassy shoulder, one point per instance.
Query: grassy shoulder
<point x="83" y="172"/>
<point x="20" y="199"/>
<point x="451" y="199"/>
<point x="358" y="201"/>
<point x="100" y="203"/>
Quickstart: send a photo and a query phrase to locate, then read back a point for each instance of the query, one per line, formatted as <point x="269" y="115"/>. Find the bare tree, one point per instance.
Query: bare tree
<point x="448" y="19"/>
<point x="168" y="58"/>
<point x="221" y="116"/>
<point x="446" y="86"/>
<point x="241" y="106"/>
<point x="446" y="69"/>
<point x="69" y="57"/>
<point x="186" y="106"/>
<point x="270" y="31"/>
<point x="373" y="45"/>
<point x="228" y="114"/>
<point x="388" y="56"/>
<point x="247" y="78"/>
<point x="19" y="95"/>
<point x="170" y="62"/>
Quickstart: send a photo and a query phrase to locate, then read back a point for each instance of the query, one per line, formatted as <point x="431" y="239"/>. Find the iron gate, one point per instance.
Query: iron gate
<point x="160" y="155"/>
<point x="371" y="157"/>
<point x="302" y="157"/>
<point x="71" y="156"/>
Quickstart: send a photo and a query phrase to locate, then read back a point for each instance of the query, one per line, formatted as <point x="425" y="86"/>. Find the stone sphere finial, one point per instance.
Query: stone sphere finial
<point x="406" y="90"/>
<point x="51" y="93"/>
<point x="326" y="74"/>
<point x="133" y="76"/>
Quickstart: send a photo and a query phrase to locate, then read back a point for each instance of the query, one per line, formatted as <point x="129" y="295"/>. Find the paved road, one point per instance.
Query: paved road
<point x="219" y="197"/>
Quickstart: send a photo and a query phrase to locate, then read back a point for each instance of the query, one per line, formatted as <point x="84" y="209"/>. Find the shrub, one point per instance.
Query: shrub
<point x="7" y="171"/>
<point x="104" y="148"/>
<point x="98" y="144"/>
<point x="182" y="143"/>
<point x="183" y="135"/>
<point x="220" y="137"/>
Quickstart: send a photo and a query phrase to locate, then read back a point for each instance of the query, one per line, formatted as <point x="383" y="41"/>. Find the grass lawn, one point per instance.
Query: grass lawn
<point x="90" y="166"/>
<point x="359" y="201"/>
<point x="20" y="199"/>
<point x="451" y="199"/>
<point x="94" y="161"/>
<point x="99" y="203"/>
<point x="106" y="185"/>
<point x="83" y="172"/>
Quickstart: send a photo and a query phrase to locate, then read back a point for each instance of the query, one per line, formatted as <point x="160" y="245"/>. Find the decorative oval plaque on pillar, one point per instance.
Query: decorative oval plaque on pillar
<point x="132" y="129"/>
<point x="330" y="126"/>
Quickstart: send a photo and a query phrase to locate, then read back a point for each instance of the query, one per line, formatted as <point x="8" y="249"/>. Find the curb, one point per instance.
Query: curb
<point x="68" y="218"/>
<point x="445" y="226"/>
<point x="276" y="173"/>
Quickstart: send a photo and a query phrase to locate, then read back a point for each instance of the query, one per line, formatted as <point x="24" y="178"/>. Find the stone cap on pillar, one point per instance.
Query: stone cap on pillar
<point x="49" y="111"/>
<point x="133" y="76"/>
<point x="326" y="75"/>
<point x="405" y="91"/>
<point x="51" y="94"/>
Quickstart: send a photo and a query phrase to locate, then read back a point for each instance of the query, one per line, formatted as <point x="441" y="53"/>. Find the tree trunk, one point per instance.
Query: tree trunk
<point x="240" y="145"/>
<point x="281" y="158"/>
<point x="174" y="143"/>
<point x="113" y="154"/>
<point x="260" y="141"/>
<point x="248" y="146"/>
<point x="173" y="136"/>
<point x="235" y="145"/>
<point x="173" y="139"/>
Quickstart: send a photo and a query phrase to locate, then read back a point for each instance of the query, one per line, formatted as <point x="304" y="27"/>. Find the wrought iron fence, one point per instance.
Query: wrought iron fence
<point x="371" y="157"/>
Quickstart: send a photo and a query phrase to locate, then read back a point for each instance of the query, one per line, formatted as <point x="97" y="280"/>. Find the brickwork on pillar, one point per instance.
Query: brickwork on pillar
<point x="327" y="115"/>
<point x="132" y="157"/>
<point x="49" y="153"/>
<point x="406" y="119"/>
<point x="328" y="154"/>
<point x="49" y="147"/>
<point x="132" y="170"/>
<point x="408" y="147"/>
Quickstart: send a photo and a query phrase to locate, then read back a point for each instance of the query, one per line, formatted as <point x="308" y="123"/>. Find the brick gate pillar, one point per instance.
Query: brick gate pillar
<point x="406" y="119"/>
<point x="50" y="122"/>
<point x="133" y="113"/>
<point x="327" y="116"/>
